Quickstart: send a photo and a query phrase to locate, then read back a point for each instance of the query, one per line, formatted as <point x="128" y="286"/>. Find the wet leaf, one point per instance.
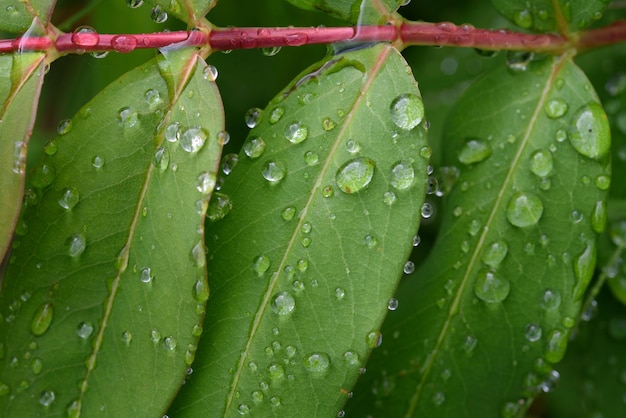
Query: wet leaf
<point x="354" y="11"/>
<point x="550" y="15"/>
<point x="189" y="11"/>
<point x="314" y="240"/>
<point x="495" y="300"/>
<point x="19" y="88"/>
<point x="16" y="16"/>
<point x="103" y="300"/>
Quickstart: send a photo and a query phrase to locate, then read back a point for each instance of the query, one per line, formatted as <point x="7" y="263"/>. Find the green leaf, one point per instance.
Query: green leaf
<point x="19" y="89"/>
<point x="493" y="303"/>
<point x="324" y="203"/>
<point x="189" y="11"/>
<point x="353" y="11"/>
<point x="18" y="16"/>
<point x="593" y="372"/>
<point x="103" y="300"/>
<point x="550" y="15"/>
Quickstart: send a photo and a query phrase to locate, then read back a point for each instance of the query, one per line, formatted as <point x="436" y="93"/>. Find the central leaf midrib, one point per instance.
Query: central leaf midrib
<point x="318" y="181"/>
<point x="454" y="308"/>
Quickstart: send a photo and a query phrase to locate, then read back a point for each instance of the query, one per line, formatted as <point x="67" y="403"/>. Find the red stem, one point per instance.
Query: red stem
<point x="409" y="33"/>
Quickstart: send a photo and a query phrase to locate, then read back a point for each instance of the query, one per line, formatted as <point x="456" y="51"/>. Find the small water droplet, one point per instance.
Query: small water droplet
<point x="158" y="15"/>
<point x="68" y="198"/>
<point x="198" y="254"/>
<point x="328" y="191"/>
<point x="439" y="398"/>
<point x="296" y="132"/>
<point x="254" y="147"/>
<point x="288" y="213"/>
<point x="474" y="150"/>
<point x="146" y="275"/>
<point x="589" y="131"/>
<point x="584" y="266"/>
<point x="517" y="61"/>
<point x="43" y="175"/>
<point x="210" y="73"/>
<point x="274" y="171"/>
<point x="355" y="175"/>
<point x="220" y="205"/>
<point x="205" y="183"/>
<point x="523" y="18"/>
<point x="42" y="319"/>
<point x="409" y="267"/>
<point x="328" y="124"/>
<point x="603" y="182"/>
<point x="192" y="139"/>
<point x="495" y="253"/>
<point x="127" y="337"/>
<point x="161" y="158"/>
<point x="229" y="162"/>
<point x="317" y="364"/>
<point x="97" y="162"/>
<point x="127" y="117"/>
<point x="469" y="344"/>
<point x="556" y="344"/>
<point x="276" y="372"/>
<point x="261" y="264"/>
<point x="172" y="132"/>
<point x="84" y="330"/>
<point x="407" y="111"/>
<point x="270" y="51"/>
<point x="374" y="339"/>
<point x="556" y="108"/>
<point x="124" y="43"/>
<point x="541" y="163"/>
<point x="47" y="397"/>
<point x="169" y="344"/>
<point x="134" y="3"/>
<point x="253" y="117"/>
<point x="532" y="332"/>
<point x="389" y="198"/>
<point x="427" y="210"/>
<point x="64" y="126"/>
<point x="75" y="245"/>
<point x="276" y="114"/>
<point x="524" y="209"/>
<point x="371" y="242"/>
<point x="392" y="305"/>
<point x="351" y="358"/>
<point x="491" y="288"/>
<point x="599" y="217"/>
<point x="402" y="175"/>
<point x="283" y="303"/>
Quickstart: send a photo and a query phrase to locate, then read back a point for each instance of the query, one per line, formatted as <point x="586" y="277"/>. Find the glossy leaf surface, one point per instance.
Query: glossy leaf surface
<point x="20" y="84"/>
<point x="319" y="216"/>
<point x="103" y="301"/>
<point x="16" y="16"/>
<point x="494" y="301"/>
<point x="550" y="15"/>
<point x="354" y="11"/>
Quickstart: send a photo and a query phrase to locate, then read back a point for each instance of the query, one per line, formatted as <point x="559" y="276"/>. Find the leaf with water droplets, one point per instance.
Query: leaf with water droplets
<point x="189" y="11"/>
<point x="354" y="11"/>
<point x="19" y="16"/>
<point x="106" y="286"/>
<point x="519" y="251"/>
<point x="551" y="15"/>
<point x="311" y="251"/>
<point x="20" y="83"/>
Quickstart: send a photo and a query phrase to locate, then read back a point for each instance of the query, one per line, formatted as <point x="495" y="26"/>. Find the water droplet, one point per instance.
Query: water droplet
<point x="495" y="253"/>
<point x="288" y="213"/>
<point x="161" y="158"/>
<point x="42" y="319"/>
<point x="43" y="175"/>
<point x="517" y="61"/>
<point x="261" y="264"/>
<point x="439" y="398"/>
<point x="270" y="51"/>
<point x="68" y="198"/>
<point x="283" y="303"/>
<point x="229" y="162"/>
<point x="556" y="108"/>
<point x="198" y="254"/>
<point x="353" y="146"/>
<point x="524" y="209"/>
<point x="555" y="346"/>
<point x="603" y="182"/>
<point x="146" y="275"/>
<point x="296" y="132"/>
<point x="427" y="210"/>
<point x="274" y="171"/>
<point x="276" y="114"/>
<point x="127" y="117"/>
<point x="219" y="206"/>
<point x="351" y="358"/>
<point x="374" y="339"/>
<point x="276" y="372"/>
<point x="523" y="18"/>
<point x="253" y="117"/>
<point x="158" y="15"/>
<point x="47" y="398"/>
<point x="85" y="36"/>
<point x="407" y="111"/>
<point x="328" y="191"/>
<point x="328" y="124"/>
<point x="371" y="242"/>
<point x="409" y="267"/>
<point x="127" y="337"/>
<point x="84" y="330"/>
<point x="532" y="332"/>
<point x="491" y="288"/>
<point x="402" y="175"/>
<point x="599" y="217"/>
<point x="205" y="183"/>
<point x="392" y="305"/>
<point x="134" y="3"/>
<point x="589" y="131"/>
<point x="311" y="158"/>
<point x="210" y="73"/>
<point x="75" y="245"/>
<point x="389" y="198"/>
<point x="172" y="132"/>
<point x="169" y="344"/>
<point x="64" y="126"/>
<point x="254" y="147"/>
<point x="584" y="265"/>
<point x="355" y="175"/>
<point x="317" y="364"/>
<point x="469" y="344"/>
<point x="37" y="366"/>
<point x="474" y="150"/>
<point x="193" y="139"/>
<point x="124" y="43"/>
<point x="541" y="163"/>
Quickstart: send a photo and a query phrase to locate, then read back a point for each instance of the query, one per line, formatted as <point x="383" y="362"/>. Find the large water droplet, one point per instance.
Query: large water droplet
<point x="556" y="108"/>
<point x="68" y="198"/>
<point x="85" y="36"/>
<point x="491" y="288"/>
<point x="254" y="147"/>
<point x="495" y="253"/>
<point x="193" y="139"/>
<point x="296" y="132"/>
<point x="355" y="175"/>
<point x="555" y="346"/>
<point x="273" y="171"/>
<point x="124" y="43"/>
<point x="283" y="303"/>
<point x="524" y="209"/>
<point x="407" y="111"/>
<point x="75" y="245"/>
<point x="589" y="131"/>
<point x="42" y="319"/>
<point x="219" y="206"/>
<point x="474" y="150"/>
<point x="317" y="364"/>
<point x="402" y="175"/>
<point x="541" y="163"/>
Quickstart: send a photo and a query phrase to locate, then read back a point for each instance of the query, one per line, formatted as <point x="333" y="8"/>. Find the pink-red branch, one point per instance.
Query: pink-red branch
<point x="408" y="33"/>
